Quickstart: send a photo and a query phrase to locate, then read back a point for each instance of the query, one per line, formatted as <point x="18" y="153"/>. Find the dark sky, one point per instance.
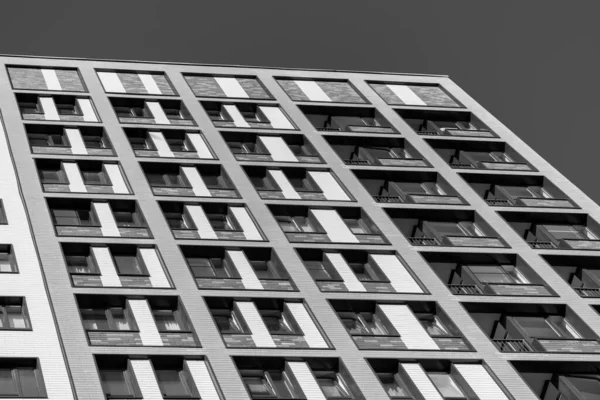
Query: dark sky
<point x="535" y="64"/>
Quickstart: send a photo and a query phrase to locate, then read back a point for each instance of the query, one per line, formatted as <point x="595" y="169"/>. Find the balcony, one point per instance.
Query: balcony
<point x="71" y="140"/>
<point x="534" y="328"/>
<point x="168" y="143"/>
<point x="556" y="230"/>
<point x="380" y="326"/>
<point x="490" y="155"/>
<point x="270" y="148"/>
<point x="392" y="187"/>
<point x="446" y="123"/>
<point x="414" y="95"/>
<point x="453" y="228"/>
<point x="376" y="151"/>
<point x="340" y="225"/>
<point x="151" y="112"/>
<point x="487" y="274"/>
<point x="338" y="119"/>
<point x="64" y="108"/>
<point x="247" y="115"/>
<point x="518" y="191"/>
<point x="204" y="180"/>
<point x="582" y="273"/>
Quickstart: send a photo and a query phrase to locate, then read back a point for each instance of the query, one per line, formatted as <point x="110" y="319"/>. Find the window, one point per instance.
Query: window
<point x="270" y="384"/>
<point x="300" y="149"/>
<point x="222" y="222"/>
<point x="107" y="319"/>
<point x="7" y="260"/>
<point x="246" y="148"/>
<point x="498" y="274"/>
<point x="132" y="112"/>
<point x="366" y="272"/>
<point x="140" y="142"/>
<point x="318" y="271"/>
<point x="177" y="220"/>
<point x="167" y="179"/>
<point x="332" y="385"/>
<point x="553" y="327"/>
<point x="433" y="325"/>
<point x="430" y="188"/>
<point x="567" y="232"/>
<point x="251" y="113"/>
<point x="178" y="143"/>
<point x="516" y="192"/>
<point x="46" y="140"/>
<point x="52" y="174"/>
<point x="94" y="140"/>
<point x="173" y="113"/>
<point x="303" y="184"/>
<point x="175" y="383"/>
<point x="297" y="224"/>
<point x="228" y="321"/>
<point x="13" y="314"/>
<point x="95" y="176"/>
<point x="393" y="386"/>
<point x="279" y="322"/>
<point x="265" y="269"/>
<point x="119" y="383"/>
<point x="30" y="107"/>
<point x="214" y="181"/>
<point x="263" y="183"/>
<point x="21" y="380"/>
<point x="443" y="229"/>
<point x="446" y="385"/>
<point x="169" y="320"/>
<point x="587" y="385"/>
<point x="357" y="226"/>
<point x="129" y="264"/>
<point x="80" y="262"/>
<point x="68" y="109"/>
<point x="365" y="323"/>
<point x="126" y="215"/>
<point x="77" y="217"/>
<point x="211" y="268"/>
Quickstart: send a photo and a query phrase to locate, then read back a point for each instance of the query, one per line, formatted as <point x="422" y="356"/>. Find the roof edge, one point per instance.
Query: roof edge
<point x="221" y="65"/>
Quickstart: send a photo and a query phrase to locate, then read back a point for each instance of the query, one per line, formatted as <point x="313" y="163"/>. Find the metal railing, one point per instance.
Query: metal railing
<point x="357" y="162"/>
<point x="513" y="346"/>
<point x="423" y="241"/>
<point x="542" y="245"/>
<point x="498" y="202"/>
<point x="388" y="199"/>
<point x="588" y="292"/>
<point x="465" y="289"/>
<point x="462" y="165"/>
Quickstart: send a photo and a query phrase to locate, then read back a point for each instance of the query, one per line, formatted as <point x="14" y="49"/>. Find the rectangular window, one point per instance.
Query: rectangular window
<point x="81" y="263"/>
<point x="118" y="383"/>
<point x="77" y="217"/>
<point x="576" y="232"/>
<point x="318" y="270"/>
<point x="394" y="387"/>
<point x="497" y="274"/>
<point x="178" y="143"/>
<point x="280" y="322"/>
<point x="365" y="323"/>
<point x="8" y="263"/>
<point x="211" y="268"/>
<point x="222" y="222"/>
<point x="332" y="385"/>
<point x="228" y="321"/>
<point x="167" y="179"/>
<point x="140" y="142"/>
<point x="52" y="175"/>
<point x="46" y="140"/>
<point x="433" y="325"/>
<point x="30" y="107"/>
<point x="296" y="224"/>
<point x="21" y="380"/>
<point x="129" y="264"/>
<point x="265" y="269"/>
<point x="126" y="215"/>
<point x="107" y="319"/>
<point x="13" y="314"/>
<point x="446" y="385"/>
<point x="169" y="320"/>
<point x="94" y="140"/>
<point x="553" y="327"/>
<point x="270" y="384"/>
<point x="175" y="383"/>
<point x="96" y="176"/>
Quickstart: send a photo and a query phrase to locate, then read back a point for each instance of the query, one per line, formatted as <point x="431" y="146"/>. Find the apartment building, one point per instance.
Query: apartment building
<point x="176" y="231"/>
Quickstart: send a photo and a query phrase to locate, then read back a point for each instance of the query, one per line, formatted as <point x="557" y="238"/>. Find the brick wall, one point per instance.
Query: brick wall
<point x="70" y="80"/>
<point x="204" y="86"/>
<point x="179" y="339"/>
<point x="114" y="338"/>
<point x="27" y="78"/>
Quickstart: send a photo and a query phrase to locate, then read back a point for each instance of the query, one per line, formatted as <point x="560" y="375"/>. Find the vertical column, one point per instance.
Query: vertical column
<point x="108" y="271"/>
<point x="193" y="177"/>
<point x="146" y="379"/>
<point x="259" y="332"/>
<point x="116" y="178"/>
<point x="108" y="225"/>
<point x="145" y="322"/>
<point x="74" y="177"/>
<point x="158" y="278"/>
<point x="205" y="230"/>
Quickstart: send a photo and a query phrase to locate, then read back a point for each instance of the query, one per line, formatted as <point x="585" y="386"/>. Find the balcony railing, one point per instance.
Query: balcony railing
<point x="542" y="245"/>
<point x="465" y="289"/>
<point x="498" y="202"/>
<point x="357" y="162"/>
<point x="588" y="292"/>
<point x="329" y="129"/>
<point x="462" y="165"/>
<point x="429" y="133"/>
<point x="388" y="199"/>
<point x="423" y="241"/>
<point x="513" y="346"/>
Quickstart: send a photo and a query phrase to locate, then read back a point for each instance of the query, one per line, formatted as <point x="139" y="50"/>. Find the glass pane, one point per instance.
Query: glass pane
<point x="65" y="217"/>
<point x="317" y="270"/>
<point x="94" y="320"/>
<point x="446" y="228"/>
<point x="114" y="383"/>
<point x="128" y="265"/>
<point x="29" y="385"/>
<point x="411" y="187"/>
<point x="93" y="177"/>
<point x="16" y="319"/>
<point x="78" y="264"/>
<point x="331" y="389"/>
<point x="492" y="274"/>
<point x="170" y="383"/>
<point x="262" y="269"/>
<point x="589" y="387"/>
<point x="258" y="386"/>
<point x="6" y="264"/>
<point x="434" y="326"/>
<point x="119" y="319"/>
<point x="446" y="385"/>
<point x="392" y="387"/>
<point x="7" y="384"/>
<point x="518" y="191"/>
<point x="564" y="232"/>
<point x="355" y="326"/>
<point x="166" y="321"/>
<point x="537" y="327"/>
<point x="125" y="218"/>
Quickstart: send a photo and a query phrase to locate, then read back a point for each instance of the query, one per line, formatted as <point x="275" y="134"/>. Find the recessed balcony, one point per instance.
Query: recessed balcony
<point x="355" y="119"/>
<point x="446" y="123"/>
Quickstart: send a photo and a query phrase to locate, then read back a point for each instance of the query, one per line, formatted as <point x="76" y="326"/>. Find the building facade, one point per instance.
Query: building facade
<point x="173" y="231"/>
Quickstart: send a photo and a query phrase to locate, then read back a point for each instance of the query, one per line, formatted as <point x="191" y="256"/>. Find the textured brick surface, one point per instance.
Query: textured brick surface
<point x="114" y="338"/>
<point x="238" y="341"/>
<point x="290" y="341"/>
<point x="519" y="290"/>
<point x="27" y="78"/>
<point x="179" y="339"/>
<point x="253" y="88"/>
<point x="70" y="80"/>
<point x="204" y="86"/>
<point x="568" y="346"/>
<point x="432" y="95"/>
<point x="379" y="343"/>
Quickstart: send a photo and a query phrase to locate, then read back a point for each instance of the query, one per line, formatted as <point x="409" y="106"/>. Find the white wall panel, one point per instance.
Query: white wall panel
<point x="259" y="332"/>
<point x="484" y="386"/>
<point x="85" y="105"/>
<point x="111" y="82"/>
<point x="407" y="96"/>
<point x="412" y="333"/>
<point x="109" y="276"/>
<point x="74" y="177"/>
<point x="76" y="141"/>
<point x="238" y="119"/>
<point x="49" y="108"/>
<point x="149" y="83"/>
<point x="306" y="380"/>
<point x="200" y="145"/>
<point x="396" y="272"/>
<point x="203" y="380"/>
<point x="312" y="90"/>
<point x="251" y="232"/>
<point x="329" y="185"/>
<point x="146" y="379"/>
<point x="284" y="184"/>
<point x="422" y="381"/>
<point x="158" y="278"/>
<point x="145" y="322"/>
<point x="343" y="269"/>
<point x="51" y="79"/>
<point x="334" y="225"/>
<point x="108" y="225"/>
<point x="231" y="87"/>
<point x="205" y="230"/>
<point x="276" y="117"/>
<point x="312" y="335"/>
<point x="157" y="112"/>
<point x="160" y="143"/>
<point x="116" y="178"/>
<point x="243" y="266"/>
<point x="193" y="177"/>
<point x="277" y="148"/>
